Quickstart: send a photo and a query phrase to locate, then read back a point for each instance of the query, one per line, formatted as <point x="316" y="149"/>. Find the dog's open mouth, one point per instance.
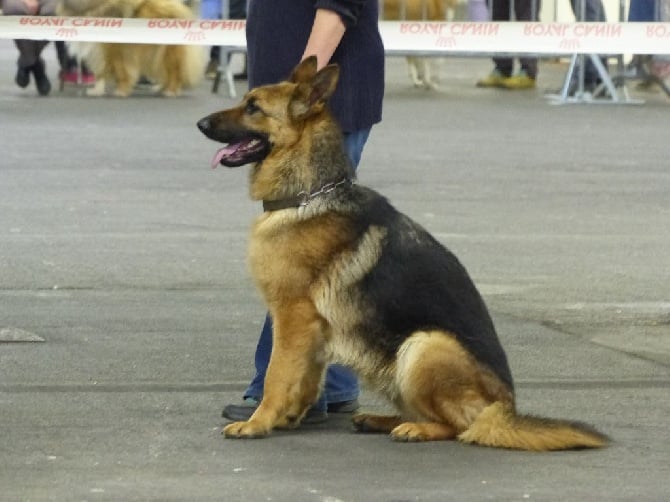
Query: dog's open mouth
<point x="242" y="151"/>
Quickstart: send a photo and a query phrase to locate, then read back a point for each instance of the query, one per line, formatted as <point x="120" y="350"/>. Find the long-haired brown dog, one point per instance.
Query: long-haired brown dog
<point x="349" y="279"/>
<point x="172" y="67"/>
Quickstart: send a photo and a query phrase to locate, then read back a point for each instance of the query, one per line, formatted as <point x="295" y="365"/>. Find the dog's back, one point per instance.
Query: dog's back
<point x="415" y="284"/>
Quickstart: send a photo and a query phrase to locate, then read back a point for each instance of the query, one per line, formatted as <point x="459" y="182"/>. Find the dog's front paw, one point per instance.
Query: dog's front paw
<point x="245" y="430"/>
<point x="122" y="92"/>
<point x="170" y="93"/>
<point x="98" y="89"/>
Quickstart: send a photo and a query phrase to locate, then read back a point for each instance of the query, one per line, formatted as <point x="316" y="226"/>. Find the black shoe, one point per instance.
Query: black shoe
<point x="242" y="412"/>
<point x="240" y="76"/>
<point x="23" y="76"/>
<point x="344" y="406"/>
<point x="41" y="81"/>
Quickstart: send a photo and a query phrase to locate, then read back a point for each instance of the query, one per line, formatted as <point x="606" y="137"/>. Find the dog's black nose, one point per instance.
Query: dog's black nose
<point x="204" y="124"/>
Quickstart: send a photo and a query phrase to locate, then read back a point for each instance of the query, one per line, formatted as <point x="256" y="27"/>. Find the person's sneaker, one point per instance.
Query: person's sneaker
<point x="69" y="76"/>
<point x="519" y="81"/>
<point x="41" y="81"/>
<point x="493" y="79"/>
<point x="87" y="78"/>
<point x="23" y="76"/>
<point x="242" y="412"/>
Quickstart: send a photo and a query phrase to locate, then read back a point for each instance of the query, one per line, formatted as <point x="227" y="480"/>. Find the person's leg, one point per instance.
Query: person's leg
<point x="261" y="361"/>
<point x="354" y="142"/>
<point x="211" y="9"/>
<point x="500" y="11"/>
<point x="528" y="10"/>
<point x="341" y="384"/>
<point x="29" y="61"/>
<point x="642" y="11"/>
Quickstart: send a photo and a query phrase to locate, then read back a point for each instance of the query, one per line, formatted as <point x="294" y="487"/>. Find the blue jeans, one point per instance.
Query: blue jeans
<point x="341" y="383"/>
<point x="642" y="10"/>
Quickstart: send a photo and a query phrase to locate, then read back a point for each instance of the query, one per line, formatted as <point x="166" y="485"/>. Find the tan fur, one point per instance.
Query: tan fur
<point x="444" y="393"/>
<point x="172" y="67"/>
<point x="309" y="261"/>
<point x="498" y="425"/>
<point x="423" y="71"/>
<point x="440" y="388"/>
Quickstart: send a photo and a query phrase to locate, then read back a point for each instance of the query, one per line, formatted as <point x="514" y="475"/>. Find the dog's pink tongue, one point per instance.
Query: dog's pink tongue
<point x="220" y="154"/>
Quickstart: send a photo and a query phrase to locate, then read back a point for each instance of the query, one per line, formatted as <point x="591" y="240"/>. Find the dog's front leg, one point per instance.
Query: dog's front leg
<point x="294" y="375"/>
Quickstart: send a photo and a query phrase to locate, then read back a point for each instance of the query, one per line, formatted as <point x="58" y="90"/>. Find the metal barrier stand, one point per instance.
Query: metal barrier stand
<point x="608" y="91"/>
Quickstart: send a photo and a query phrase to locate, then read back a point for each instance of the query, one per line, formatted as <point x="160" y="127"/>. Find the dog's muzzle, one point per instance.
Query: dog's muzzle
<point x="243" y="146"/>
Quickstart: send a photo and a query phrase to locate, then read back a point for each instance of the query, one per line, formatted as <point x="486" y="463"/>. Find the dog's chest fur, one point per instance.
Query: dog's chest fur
<point x="288" y="252"/>
<point x="323" y="260"/>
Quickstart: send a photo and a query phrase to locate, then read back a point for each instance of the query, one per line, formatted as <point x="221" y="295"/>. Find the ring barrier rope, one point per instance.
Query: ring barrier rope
<point x="399" y="37"/>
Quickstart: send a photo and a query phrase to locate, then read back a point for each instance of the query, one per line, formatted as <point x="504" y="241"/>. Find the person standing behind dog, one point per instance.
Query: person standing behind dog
<point x="501" y="76"/>
<point x="30" y="51"/>
<point x="280" y="34"/>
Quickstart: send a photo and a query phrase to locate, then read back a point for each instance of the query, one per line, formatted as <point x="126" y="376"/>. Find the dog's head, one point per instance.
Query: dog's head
<point x="286" y="133"/>
<point x="270" y="118"/>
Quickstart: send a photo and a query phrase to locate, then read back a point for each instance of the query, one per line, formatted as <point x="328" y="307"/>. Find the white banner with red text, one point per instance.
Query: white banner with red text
<point x="400" y="37"/>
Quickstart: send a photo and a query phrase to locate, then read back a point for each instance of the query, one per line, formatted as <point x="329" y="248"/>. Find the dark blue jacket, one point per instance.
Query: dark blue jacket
<point x="277" y="33"/>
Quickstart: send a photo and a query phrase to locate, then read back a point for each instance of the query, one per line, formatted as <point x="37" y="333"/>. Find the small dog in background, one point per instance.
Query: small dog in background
<point x="423" y="71"/>
<point x="171" y="67"/>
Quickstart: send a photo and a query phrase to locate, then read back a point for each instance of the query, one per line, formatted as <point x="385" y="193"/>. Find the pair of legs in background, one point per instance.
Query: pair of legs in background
<point x="341" y="388"/>
<point x="30" y="62"/>
<point x="528" y="10"/>
<point x="503" y="75"/>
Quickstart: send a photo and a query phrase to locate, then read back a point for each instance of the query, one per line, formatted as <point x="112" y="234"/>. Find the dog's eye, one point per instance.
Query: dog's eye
<point x="251" y="108"/>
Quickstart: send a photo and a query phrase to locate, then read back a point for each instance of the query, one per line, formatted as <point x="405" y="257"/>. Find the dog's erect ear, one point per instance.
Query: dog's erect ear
<point x="311" y="96"/>
<point x="304" y="71"/>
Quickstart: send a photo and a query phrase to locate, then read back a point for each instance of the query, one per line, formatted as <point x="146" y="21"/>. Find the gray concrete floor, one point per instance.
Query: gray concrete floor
<point x="125" y="254"/>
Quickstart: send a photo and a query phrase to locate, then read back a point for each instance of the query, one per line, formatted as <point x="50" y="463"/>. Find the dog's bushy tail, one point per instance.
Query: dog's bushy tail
<point x="499" y="426"/>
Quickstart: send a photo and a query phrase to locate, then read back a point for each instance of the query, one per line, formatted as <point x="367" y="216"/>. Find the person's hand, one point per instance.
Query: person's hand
<point x="32" y="6"/>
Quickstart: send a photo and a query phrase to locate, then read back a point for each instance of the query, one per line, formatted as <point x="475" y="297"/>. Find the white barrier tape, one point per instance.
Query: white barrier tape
<point x="400" y="37"/>
<point x="228" y="32"/>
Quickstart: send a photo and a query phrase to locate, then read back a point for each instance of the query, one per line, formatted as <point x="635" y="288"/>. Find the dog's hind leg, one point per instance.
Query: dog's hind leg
<point x="414" y="73"/>
<point x="441" y="387"/>
<point x="294" y="375"/>
<point x="124" y="67"/>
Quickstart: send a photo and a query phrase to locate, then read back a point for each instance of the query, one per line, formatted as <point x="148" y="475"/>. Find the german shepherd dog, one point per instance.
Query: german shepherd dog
<point x="349" y="279"/>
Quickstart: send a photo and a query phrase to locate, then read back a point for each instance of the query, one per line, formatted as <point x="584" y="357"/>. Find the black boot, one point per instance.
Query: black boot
<point x="41" y="80"/>
<point x="23" y="76"/>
